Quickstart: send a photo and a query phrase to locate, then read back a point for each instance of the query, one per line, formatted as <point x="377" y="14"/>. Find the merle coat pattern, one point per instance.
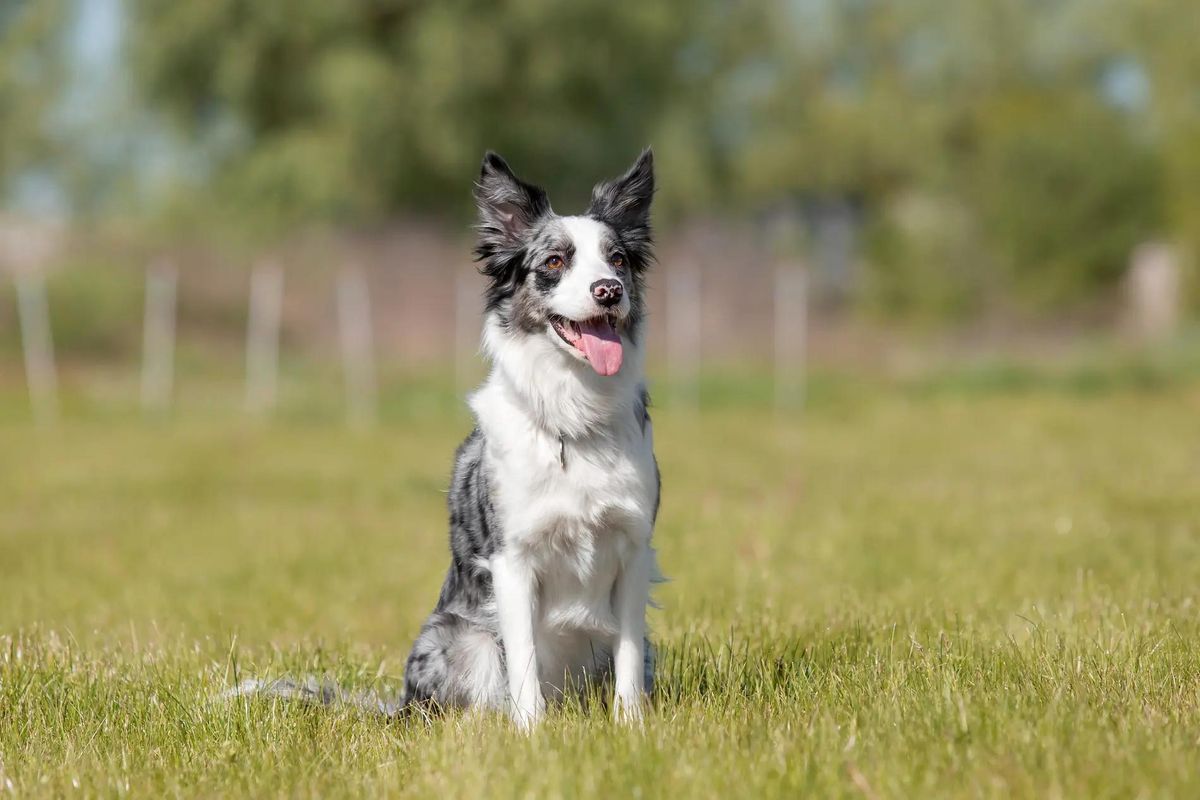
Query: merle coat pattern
<point x="554" y="431"/>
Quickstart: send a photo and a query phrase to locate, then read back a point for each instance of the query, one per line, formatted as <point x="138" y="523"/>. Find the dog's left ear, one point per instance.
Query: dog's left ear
<point x="624" y="203"/>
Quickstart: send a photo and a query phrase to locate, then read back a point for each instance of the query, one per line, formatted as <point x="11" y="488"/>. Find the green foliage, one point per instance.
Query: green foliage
<point x="351" y="110"/>
<point x="997" y="115"/>
<point x="990" y="162"/>
<point x="1065" y="194"/>
<point x="95" y="310"/>
<point x="31" y="72"/>
<point x="926" y="261"/>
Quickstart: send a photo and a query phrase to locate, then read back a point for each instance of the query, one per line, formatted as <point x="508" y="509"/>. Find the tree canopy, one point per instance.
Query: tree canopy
<point x="1025" y="145"/>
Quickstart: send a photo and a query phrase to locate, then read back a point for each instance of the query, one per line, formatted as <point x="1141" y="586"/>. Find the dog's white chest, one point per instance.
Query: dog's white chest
<point x="575" y="510"/>
<point x="572" y="513"/>
<point x="566" y="501"/>
<point x="576" y="524"/>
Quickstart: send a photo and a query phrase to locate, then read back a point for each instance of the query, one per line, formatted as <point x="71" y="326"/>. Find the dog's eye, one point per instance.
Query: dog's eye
<point x="617" y="260"/>
<point x="554" y="262"/>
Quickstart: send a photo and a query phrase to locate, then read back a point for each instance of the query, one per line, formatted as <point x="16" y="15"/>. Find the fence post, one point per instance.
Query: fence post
<point x="37" y="345"/>
<point x="468" y="307"/>
<point x="1154" y="292"/>
<point x="791" y="332"/>
<point x="684" y="324"/>
<point x="358" y="357"/>
<point x="262" y="337"/>
<point x="158" y="337"/>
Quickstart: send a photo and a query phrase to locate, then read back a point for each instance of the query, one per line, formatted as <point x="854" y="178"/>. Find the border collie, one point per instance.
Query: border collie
<point x="555" y="492"/>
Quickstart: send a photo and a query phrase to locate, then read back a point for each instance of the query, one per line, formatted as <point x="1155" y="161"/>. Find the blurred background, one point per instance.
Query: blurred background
<point x="924" y="356"/>
<point x="204" y="190"/>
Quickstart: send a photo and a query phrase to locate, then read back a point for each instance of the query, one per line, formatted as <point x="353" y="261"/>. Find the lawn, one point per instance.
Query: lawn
<point x="967" y="588"/>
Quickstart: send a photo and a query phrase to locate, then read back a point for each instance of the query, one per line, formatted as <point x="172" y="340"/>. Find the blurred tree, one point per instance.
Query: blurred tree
<point x="1162" y="36"/>
<point x="31" y="77"/>
<point x="1064" y="193"/>
<point x="1000" y="148"/>
<point x="339" y="110"/>
<point x="977" y="137"/>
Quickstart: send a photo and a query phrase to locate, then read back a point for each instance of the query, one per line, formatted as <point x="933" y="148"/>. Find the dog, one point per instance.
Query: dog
<point x="555" y="492"/>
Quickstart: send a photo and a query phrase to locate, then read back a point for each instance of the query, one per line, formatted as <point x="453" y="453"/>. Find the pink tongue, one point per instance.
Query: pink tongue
<point x="600" y="343"/>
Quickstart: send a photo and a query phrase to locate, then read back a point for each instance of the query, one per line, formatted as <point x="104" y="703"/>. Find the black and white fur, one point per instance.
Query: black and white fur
<point x="555" y="492"/>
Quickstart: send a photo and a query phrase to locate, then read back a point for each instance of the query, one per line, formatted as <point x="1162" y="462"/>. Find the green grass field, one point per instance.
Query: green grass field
<point x="975" y="588"/>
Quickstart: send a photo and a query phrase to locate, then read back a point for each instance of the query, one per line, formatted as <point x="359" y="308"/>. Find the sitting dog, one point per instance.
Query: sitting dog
<point x="556" y="490"/>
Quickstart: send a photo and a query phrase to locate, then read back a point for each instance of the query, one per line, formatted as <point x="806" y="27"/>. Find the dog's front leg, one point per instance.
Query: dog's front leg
<point x="515" y="586"/>
<point x="631" y="595"/>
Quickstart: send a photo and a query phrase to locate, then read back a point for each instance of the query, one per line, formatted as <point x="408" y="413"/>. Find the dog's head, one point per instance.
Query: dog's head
<point x="577" y="280"/>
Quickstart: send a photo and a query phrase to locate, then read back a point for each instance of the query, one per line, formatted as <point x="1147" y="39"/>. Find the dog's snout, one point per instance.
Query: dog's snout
<point x="607" y="291"/>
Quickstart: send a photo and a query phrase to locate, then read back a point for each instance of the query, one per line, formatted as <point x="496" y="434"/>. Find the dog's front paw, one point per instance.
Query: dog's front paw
<point x="525" y="722"/>
<point x="527" y="714"/>
<point x="629" y="709"/>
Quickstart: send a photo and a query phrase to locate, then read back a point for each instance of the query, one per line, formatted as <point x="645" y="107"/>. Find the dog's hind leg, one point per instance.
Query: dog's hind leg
<point x="455" y="663"/>
<point x="648" y="662"/>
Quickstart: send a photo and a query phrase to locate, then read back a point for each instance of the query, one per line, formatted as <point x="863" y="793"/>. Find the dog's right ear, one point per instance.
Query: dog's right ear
<point x="624" y="204"/>
<point x="508" y="208"/>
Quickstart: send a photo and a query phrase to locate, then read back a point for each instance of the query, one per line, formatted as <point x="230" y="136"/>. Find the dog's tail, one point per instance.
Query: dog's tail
<point x="317" y="692"/>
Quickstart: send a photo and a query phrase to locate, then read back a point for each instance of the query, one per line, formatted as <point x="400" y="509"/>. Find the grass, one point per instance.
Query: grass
<point x="908" y="592"/>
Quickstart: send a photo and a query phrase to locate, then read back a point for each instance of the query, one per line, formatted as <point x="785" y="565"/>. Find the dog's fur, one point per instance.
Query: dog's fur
<point x="555" y="492"/>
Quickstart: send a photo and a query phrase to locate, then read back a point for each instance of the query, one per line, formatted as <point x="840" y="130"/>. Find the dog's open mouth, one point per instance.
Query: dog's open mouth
<point x="596" y="338"/>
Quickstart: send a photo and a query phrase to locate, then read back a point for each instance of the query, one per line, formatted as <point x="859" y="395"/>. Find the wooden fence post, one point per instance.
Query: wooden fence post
<point x="468" y="306"/>
<point x="262" y="337"/>
<point x="791" y="333"/>
<point x="158" y="337"/>
<point x="37" y="345"/>
<point x="358" y="356"/>
<point x="684" y="324"/>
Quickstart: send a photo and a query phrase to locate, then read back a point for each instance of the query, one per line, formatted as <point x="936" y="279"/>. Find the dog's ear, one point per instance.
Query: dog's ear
<point x="508" y="208"/>
<point x="624" y="203"/>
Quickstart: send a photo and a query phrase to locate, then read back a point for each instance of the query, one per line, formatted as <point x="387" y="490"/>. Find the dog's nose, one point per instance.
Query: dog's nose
<point x="607" y="291"/>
